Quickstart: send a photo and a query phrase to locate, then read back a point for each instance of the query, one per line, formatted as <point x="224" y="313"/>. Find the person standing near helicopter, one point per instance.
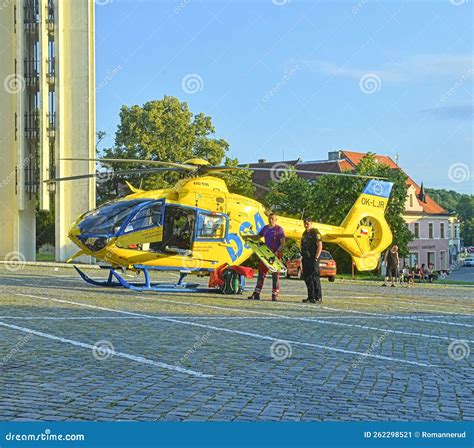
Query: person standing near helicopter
<point x="311" y="248"/>
<point x="274" y="236"/>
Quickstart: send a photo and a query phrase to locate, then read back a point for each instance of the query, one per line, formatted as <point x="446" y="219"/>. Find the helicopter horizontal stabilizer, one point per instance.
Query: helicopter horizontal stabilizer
<point x="133" y="189"/>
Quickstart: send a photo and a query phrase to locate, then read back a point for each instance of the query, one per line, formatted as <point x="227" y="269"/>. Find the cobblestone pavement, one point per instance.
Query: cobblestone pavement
<point x="69" y="351"/>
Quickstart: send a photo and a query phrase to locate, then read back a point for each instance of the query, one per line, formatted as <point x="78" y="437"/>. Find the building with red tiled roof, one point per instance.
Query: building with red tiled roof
<point x="427" y="220"/>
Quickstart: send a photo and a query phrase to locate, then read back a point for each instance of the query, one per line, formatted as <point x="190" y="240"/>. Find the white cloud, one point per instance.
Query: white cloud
<point x="414" y="68"/>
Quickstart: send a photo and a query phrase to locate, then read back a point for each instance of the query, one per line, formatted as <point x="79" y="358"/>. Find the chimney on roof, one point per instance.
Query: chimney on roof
<point x="421" y="194"/>
<point x="334" y="155"/>
<point x="262" y="160"/>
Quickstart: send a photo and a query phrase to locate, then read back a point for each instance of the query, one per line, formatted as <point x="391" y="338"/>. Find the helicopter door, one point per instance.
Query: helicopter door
<point x="179" y="223"/>
<point x="143" y="229"/>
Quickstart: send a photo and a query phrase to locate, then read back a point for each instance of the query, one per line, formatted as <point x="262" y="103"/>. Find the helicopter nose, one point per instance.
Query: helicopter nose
<point x="74" y="232"/>
<point x="83" y="239"/>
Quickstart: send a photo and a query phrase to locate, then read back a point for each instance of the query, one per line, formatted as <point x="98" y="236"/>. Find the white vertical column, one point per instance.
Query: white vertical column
<point x="10" y="89"/>
<point x="44" y="155"/>
<point x="75" y="113"/>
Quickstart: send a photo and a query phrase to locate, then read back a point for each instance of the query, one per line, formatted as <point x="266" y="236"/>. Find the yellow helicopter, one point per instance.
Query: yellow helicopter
<point x="198" y="226"/>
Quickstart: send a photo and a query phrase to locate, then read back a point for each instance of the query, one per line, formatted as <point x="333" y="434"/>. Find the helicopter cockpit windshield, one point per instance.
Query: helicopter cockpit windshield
<point x="108" y="218"/>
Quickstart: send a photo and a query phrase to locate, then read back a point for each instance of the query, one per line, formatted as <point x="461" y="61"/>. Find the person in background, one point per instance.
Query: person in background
<point x="423" y="272"/>
<point x="417" y="273"/>
<point x="391" y="262"/>
<point x="426" y="272"/>
<point x="311" y="247"/>
<point x="431" y="273"/>
<point x="274" y="237"/>
<point x="406" y="276"/>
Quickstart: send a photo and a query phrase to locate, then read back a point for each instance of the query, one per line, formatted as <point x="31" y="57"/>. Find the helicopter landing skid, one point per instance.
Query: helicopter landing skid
<point x="116" y="280"/>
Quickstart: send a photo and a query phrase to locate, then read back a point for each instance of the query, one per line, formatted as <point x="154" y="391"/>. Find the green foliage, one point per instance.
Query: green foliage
<point x="462" y="205"/>
<point x="290" y="195"/>
<point x="45" y="226"/>
<point x="239" y="182"/>
<point x="465" y="207"/>
<point x="452" y="201"/>
<point x="166" y="130"/>
<point x="329" y="199"/>
<point x="467" y="232"/>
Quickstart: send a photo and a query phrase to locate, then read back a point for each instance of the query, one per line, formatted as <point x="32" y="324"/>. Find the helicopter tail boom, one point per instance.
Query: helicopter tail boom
<point x="364" y="233"/>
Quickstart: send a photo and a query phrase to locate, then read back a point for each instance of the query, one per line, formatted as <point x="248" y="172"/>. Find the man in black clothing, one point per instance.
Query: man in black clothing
<point x="311" y="247"/>
<point x="391" y="262"/>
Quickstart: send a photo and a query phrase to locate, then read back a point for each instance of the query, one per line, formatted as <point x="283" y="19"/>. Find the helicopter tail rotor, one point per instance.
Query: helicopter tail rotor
<point x="366" y="232"/>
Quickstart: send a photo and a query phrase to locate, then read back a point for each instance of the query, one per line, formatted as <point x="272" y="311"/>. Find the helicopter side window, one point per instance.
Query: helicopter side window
<point x="211" y="226"/>
<point x="149" y="216"/>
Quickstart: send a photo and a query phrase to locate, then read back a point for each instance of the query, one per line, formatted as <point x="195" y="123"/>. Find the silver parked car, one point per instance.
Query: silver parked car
<point x="469" y="261"/>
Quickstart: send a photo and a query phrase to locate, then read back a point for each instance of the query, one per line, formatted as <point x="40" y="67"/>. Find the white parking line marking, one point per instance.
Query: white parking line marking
<point x="182" y="317"/>
<point x="386" y="316"/>
<point x="242" y="333"/>
<point x="393" y="301"/>
<point x="419" y="319"/>
<point x="139" y="359"/>
<point x="304" y="319"/>
<point x="68" y="317"/>
<point x="405" y="302"/>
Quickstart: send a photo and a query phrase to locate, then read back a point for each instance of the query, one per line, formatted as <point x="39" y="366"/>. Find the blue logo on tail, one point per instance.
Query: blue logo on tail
<point x="378" y="188"/>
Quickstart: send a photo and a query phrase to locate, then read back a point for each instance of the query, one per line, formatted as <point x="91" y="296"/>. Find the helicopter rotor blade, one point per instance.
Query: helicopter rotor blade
<point x="109" y="174"/>
<point x="208" y="169"/>
<point x="322" y="173"/>
<point x="182" y="166"/>
<point x="217" y="169"/>
<point x="220" y="169"/>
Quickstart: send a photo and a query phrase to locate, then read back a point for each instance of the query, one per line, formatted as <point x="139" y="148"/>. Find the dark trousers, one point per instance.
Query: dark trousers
<point x="311" y="278"/>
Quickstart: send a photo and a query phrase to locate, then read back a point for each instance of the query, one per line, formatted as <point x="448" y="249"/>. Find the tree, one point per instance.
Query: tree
<point x="166" y="130"/>
<point x="290" y="195"/>
<point x="467" y="232"/>
<point x="239" y="182"/>
<point x="465" y="207"/>
<point x="45" y="226"/>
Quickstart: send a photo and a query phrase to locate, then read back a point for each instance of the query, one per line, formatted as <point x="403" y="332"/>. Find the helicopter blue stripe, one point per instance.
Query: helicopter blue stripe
<point x="378" y="188"/>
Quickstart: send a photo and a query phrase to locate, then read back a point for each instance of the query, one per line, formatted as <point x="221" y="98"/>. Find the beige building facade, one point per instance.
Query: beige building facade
<point x="47" y="109"/>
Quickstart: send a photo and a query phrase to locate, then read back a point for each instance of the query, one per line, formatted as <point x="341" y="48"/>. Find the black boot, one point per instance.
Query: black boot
<point x="254" y="296"/>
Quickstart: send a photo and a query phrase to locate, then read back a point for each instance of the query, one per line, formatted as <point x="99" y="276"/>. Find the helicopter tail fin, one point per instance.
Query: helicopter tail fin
<point x="366" y="232"/>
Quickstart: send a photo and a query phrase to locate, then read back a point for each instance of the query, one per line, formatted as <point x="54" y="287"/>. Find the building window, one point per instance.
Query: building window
<point x="411" y="200"/>
<point x="430" y="230"/>
<point x="416" y="230"/>
<point x="441" y="230"/>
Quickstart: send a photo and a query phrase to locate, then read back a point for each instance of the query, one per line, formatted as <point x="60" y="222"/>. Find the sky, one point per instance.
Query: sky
<point x="288" y="79"/>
